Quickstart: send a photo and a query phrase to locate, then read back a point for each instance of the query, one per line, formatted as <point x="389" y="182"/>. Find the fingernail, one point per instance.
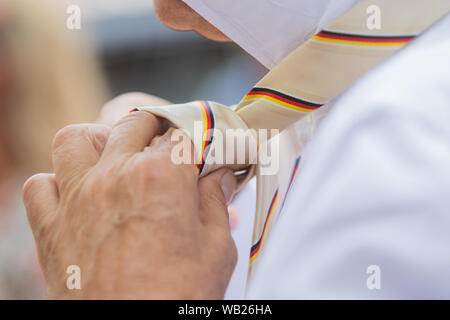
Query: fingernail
<point x="228" y="185"/>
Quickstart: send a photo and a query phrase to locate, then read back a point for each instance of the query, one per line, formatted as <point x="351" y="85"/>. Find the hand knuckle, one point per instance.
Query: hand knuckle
<point x="66" y="133"/>
<point x="30" y="186"/>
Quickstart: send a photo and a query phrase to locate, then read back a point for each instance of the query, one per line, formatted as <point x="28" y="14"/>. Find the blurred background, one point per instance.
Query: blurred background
<point x="138" y="53"/>
<point x="51" y="76"/>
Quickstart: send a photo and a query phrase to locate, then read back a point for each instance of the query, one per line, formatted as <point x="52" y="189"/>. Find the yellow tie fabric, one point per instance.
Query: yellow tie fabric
<point x="313" y="74"/>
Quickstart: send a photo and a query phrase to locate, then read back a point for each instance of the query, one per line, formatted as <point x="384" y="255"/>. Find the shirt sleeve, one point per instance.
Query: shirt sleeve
<point x="368" y="216"/>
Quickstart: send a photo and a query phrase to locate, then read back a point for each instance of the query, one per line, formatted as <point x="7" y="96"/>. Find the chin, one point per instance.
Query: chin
<point x="177" y="15"/>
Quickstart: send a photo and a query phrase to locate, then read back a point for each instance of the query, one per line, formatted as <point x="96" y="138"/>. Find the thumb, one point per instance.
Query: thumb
<point x="216" y="190"/>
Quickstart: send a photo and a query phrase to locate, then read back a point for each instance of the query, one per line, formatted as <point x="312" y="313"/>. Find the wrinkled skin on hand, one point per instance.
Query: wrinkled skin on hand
<point x="137" y="225"/>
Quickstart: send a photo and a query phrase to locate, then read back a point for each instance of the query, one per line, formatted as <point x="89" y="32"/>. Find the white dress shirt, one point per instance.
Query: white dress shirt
<point x="270" y="29"/>
<point x="368" y="215"/>
<point x="373" y="190"/>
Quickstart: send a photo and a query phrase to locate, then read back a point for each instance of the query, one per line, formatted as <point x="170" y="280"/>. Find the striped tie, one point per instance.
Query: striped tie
<point x="313" y="74"/>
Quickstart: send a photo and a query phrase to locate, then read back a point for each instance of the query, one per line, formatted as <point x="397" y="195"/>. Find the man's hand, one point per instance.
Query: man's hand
<point x="120" y="106"/>
<point x="136" y="224"/>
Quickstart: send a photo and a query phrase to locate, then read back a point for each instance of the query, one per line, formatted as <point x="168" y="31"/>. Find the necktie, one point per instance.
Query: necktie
<point x="317" y="71"/>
